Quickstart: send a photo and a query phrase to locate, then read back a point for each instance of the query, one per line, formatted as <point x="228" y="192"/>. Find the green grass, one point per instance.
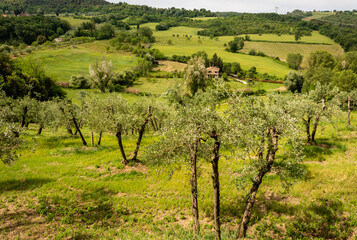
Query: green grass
<point x="154" y="86"/>
<point x="62" y="63"/>
<point x="315" y="38"/>
<point x="73" y="21"/>
<point x="255" y="86"/>
<point x="63" y="190"/>
<point x="282" y="50"/>
<point x="183" y="46"/>
<point x="203" y="18"/>
<point x="318" y="15"/>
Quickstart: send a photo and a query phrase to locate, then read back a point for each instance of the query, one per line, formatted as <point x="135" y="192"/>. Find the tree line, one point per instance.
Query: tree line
<point x="29" y="29"/>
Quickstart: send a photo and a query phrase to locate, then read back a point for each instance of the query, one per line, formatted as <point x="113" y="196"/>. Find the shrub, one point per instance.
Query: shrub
<point x="252" y="52"/>
<point x="79" y="82"/>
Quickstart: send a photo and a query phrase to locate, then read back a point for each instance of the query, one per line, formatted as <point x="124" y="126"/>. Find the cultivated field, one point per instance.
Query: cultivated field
<point x="282" y="50"/>
<point x="315" y="38"/>
<point x="183" y="45"/>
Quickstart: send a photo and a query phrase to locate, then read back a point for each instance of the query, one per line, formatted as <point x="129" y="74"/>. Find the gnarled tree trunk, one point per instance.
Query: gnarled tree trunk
<point x="121" y="147"/>
<point x="215" y="180"/>
<point x="141" y="133"/>
<point x="40" y="130"/>
<point x="79" y="130"/>
<point x="270" y="157"/>
<point x="317" y="119"/>
<point x="100" y="138"/>
<point x="74" y="120"/>
<point x="193" y="183"/>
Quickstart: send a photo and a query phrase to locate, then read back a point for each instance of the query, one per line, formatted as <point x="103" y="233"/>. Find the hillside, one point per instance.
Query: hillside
<point x="55" y="2"/>
<point x="48" y="5"/>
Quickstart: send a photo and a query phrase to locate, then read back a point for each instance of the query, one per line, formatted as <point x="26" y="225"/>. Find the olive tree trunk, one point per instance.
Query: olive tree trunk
<point x="317" y="119"/>
<point x="270" y="157"/>
<point x="215" y="180"/>
<point x="349" y="110"/>
<point x="40" y="130"/>
<point x="121" y="147"/>
<point x="193" y="183"/>
<point x="307" y="126"/>
<point x="141" y="133"/>
<point x="100" y="138"/>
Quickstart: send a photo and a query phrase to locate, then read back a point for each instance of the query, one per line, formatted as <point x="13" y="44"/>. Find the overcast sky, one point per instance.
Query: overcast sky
<point x="249" y="5"/>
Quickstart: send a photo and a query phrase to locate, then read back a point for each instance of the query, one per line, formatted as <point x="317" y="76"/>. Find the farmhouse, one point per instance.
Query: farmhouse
<point x="58" y="40"/>
<point x="213" y="72"/>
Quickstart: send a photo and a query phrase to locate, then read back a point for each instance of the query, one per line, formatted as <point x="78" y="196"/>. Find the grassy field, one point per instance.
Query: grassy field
<point x="203" y="18"/>
<point x="187" y="46"/>
<point x="318" y="15"/>
<point x="62" y="63"/>
<point x="315" y="38"/>
<point x="62" y="190"/>
<point x="73" y="21"/>
<point x="282" y="50"/>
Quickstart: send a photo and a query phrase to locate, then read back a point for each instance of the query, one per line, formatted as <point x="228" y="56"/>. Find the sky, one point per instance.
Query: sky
<point x="249" y="5"/>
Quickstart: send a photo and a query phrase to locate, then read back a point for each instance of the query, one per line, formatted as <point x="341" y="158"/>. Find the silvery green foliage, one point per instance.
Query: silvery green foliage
<point x="328" y="100"/>
<point x="119" y="114"/>
<point x="9" y="133"/>
<point x="96" y="114"/>
<point x="101" y="73"/>
<point x="188" y="122"/>
<point x="251" y="120"/>
<point x="195" y="76"/>
<point x="9" y="141"/>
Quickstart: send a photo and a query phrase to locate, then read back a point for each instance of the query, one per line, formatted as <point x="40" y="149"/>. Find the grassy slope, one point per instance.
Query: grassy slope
<point x="68" y="61"/>
<point x="315" y="37"/>
<point x="318" y="15"/>
<point x="64" y="190"/>
<point x="182" y="46"/>
<point x="282" y="50"/>
<point x="73" y="21"/>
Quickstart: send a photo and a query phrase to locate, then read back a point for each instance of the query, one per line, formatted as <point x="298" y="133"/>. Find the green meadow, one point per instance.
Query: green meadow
<point x="73" y="21"/>
<point x="315" y="38"/>
<point x="318" y="15"/>
<point x="282" y="50"/>
<point x="183" y="45"/>
<point x="62" y="63"/>
<point x="203" y="18"/>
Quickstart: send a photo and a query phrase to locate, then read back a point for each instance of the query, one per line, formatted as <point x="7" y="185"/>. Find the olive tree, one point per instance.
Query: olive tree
<point x="101" y="74"/>
<point x="9" y="132"/>
<point x="347" y="81"/>
<point x="259" y="129"/>
<point x="194" y="131"/>
<point x="195" y="76"/>
<point x="71" y="115"/>
<point x="9" y="140"/>
<point x="96" y="117"/>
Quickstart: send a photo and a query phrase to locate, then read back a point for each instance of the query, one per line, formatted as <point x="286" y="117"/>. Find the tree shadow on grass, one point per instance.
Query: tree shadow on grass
<point x="22" y="185"/>
<point x="322" y="218"/>
<point x="323" y="148"/>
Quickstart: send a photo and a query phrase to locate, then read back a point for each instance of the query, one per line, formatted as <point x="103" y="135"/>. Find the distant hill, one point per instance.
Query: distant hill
<point x="48" y="5"/>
